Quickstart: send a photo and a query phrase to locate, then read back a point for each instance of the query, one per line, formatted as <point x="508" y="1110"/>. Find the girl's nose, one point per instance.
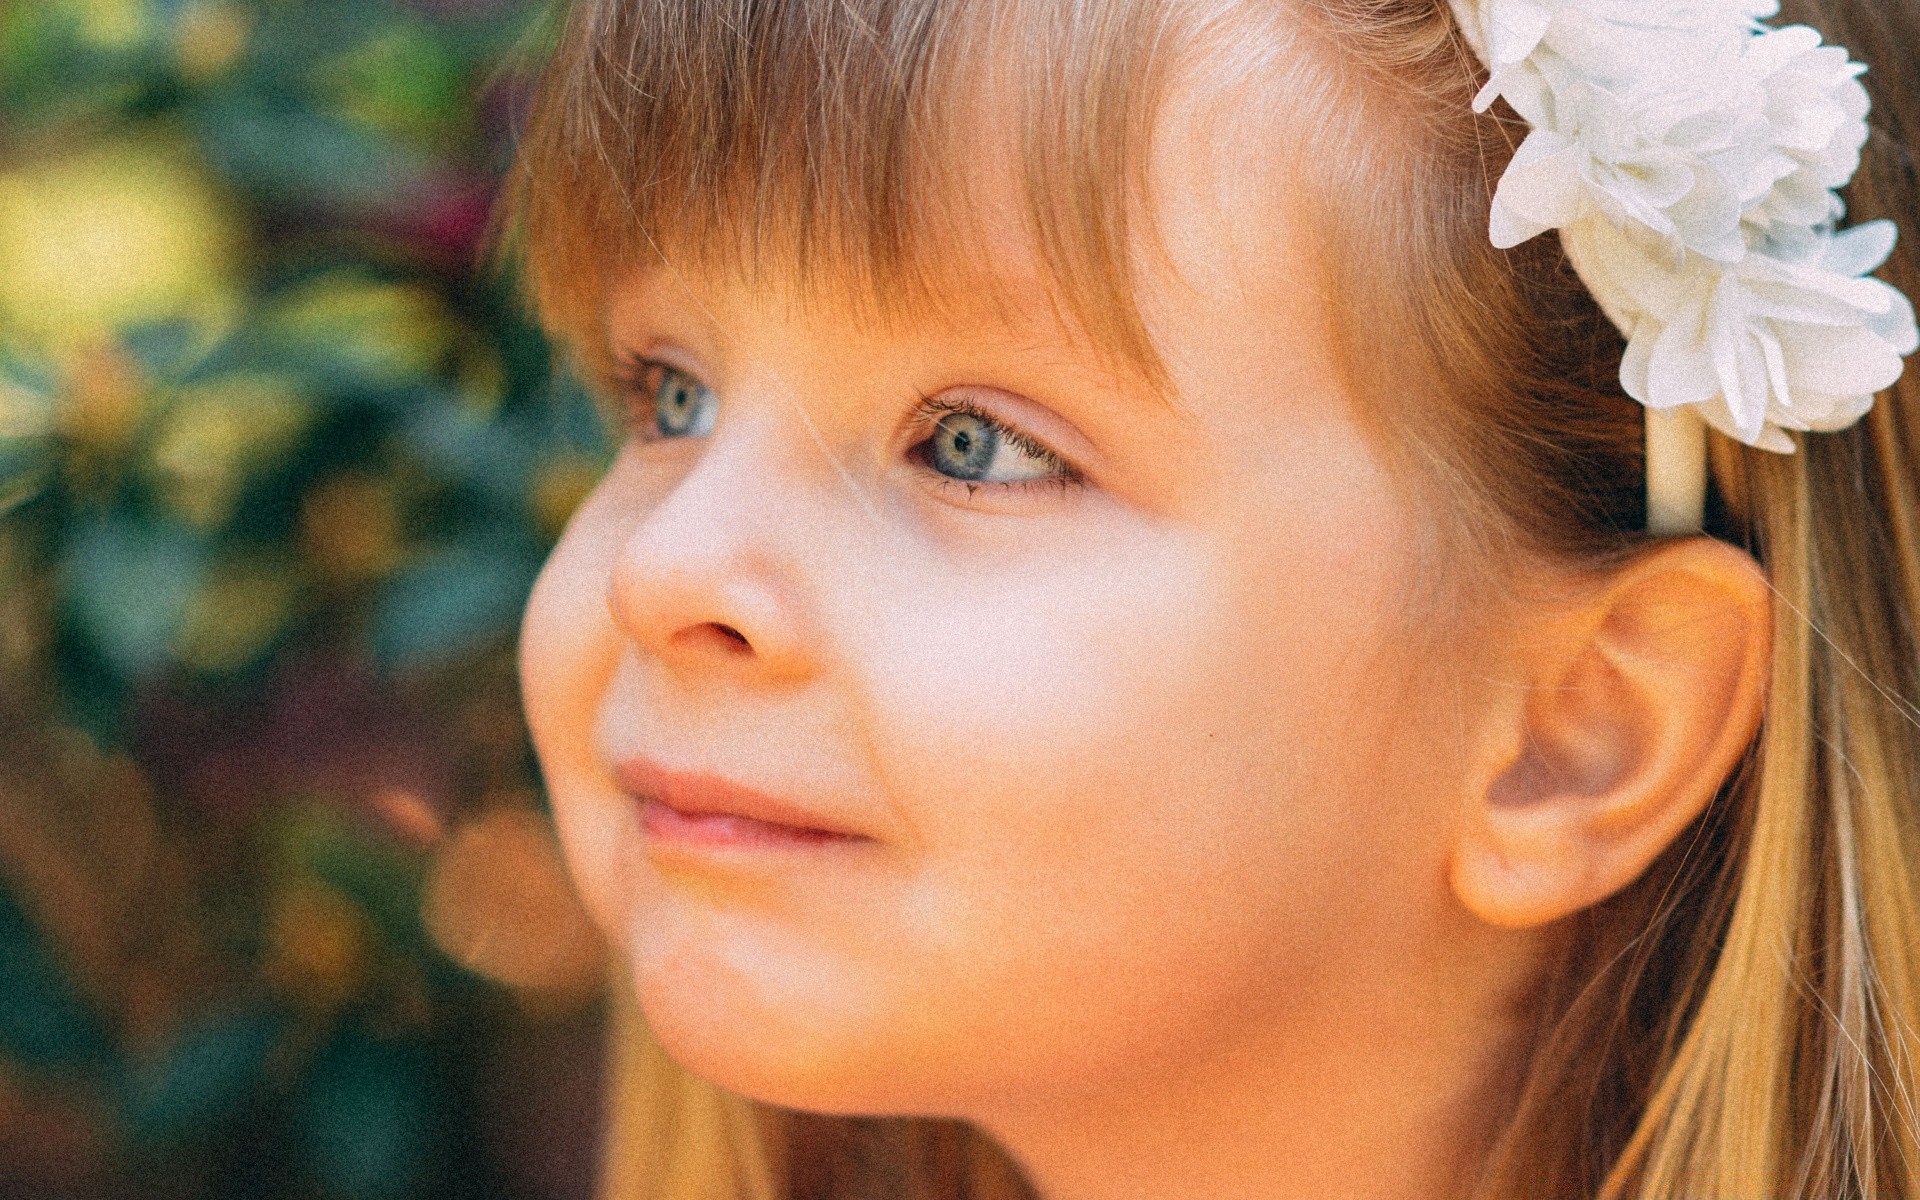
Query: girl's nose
<point x="705" y="581"/>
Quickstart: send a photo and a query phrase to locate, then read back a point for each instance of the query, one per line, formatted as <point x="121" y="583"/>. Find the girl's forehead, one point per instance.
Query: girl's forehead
<point x="1220" y="211"/>
<point x="914" y="176"/>
<point x="1215" y="274"/>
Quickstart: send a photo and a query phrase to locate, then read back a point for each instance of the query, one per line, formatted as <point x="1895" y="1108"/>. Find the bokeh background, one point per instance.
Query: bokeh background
<point x="281" y="913"/>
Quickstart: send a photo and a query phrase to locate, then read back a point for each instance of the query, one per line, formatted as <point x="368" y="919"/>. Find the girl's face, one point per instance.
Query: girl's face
<point x="1101" y="734"/>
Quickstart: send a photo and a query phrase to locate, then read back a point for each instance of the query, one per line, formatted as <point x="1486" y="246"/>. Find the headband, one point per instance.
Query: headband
<point x="1689" y="157"/>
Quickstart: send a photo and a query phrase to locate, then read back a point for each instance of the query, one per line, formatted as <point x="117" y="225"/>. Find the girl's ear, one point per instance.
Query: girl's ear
<point x="1634" y="705"/>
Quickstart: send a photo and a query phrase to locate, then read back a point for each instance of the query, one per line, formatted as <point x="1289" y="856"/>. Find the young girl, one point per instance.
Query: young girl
<point x="1168" y="623"/>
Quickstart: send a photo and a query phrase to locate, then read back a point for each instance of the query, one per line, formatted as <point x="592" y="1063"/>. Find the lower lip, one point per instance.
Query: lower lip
<point x="668" y="826"/>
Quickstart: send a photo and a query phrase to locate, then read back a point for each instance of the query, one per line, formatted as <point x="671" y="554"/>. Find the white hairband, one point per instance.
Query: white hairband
<point x="1689" y="157"/>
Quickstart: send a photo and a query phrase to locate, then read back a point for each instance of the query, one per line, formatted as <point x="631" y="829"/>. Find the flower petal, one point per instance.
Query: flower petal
<point x="1860" y="250"/>
<point x="1839" y="361"/>
<point x="1680" y="370"/>
<point x="1541" y="190"/>
<point x="1514" y="28"/>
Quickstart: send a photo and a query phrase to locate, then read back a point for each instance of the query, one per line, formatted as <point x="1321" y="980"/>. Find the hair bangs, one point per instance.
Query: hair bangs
<point x="844" y="150"/>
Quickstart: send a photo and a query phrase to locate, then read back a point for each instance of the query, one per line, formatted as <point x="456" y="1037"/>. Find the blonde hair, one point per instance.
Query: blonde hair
<point x="1739" y="1023"/>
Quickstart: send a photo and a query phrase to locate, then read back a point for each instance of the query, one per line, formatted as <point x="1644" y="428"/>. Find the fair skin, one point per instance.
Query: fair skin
<point x="1193" y="853"/>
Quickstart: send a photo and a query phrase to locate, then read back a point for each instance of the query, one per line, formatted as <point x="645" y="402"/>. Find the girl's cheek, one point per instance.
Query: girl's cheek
<point x="1122" y="839"/>
<point x="569" y="651"/>
<point x="1065" y="725"/>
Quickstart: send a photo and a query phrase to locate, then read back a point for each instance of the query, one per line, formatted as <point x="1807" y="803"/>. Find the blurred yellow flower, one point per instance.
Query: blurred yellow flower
<point x="243" y="605"/>
<point x="113" y="24"/>
<point x="217" y="433"/>
<point x="208" y="39"/>
<point x="393" y="332"/>
<point x="111" y="235"/>
<point x="350" y="527"/>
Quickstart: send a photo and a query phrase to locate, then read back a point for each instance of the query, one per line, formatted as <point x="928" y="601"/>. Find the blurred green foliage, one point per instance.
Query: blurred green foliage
<point x="279" y="459"/>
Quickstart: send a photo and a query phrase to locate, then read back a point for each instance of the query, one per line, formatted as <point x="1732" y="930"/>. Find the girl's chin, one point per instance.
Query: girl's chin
<point x="759" y="1016"/>
<point x="771" y="1065"/>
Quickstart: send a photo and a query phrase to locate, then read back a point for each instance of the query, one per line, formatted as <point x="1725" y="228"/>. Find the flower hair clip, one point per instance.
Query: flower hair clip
<point x="1689" y="157"/>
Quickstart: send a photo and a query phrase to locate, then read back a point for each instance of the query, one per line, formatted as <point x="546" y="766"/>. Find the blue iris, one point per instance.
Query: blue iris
<point x="682" y="405"/>
<point x="963" y="446"/>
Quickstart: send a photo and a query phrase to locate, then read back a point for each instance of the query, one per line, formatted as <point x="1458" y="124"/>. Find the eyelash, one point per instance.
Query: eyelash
<point x="636" y="383"/>
<point x="637" y="380"/>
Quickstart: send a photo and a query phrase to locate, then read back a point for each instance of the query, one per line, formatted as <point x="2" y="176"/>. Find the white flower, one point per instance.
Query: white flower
<point x="1689" y="157"/>
<point x="1658" y="161"/>
<point x="1762" y="346"/>
<point x="1508" y="32"/>
<point x="1817" y="114"/>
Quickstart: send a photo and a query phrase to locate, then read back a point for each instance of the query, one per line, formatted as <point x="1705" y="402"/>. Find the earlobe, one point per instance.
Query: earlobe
<point x="1636" y="702"/>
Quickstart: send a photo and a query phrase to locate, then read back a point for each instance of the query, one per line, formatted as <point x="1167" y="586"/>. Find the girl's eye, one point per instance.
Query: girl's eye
<point x="670" y="403"/>
<point x="970" y="446"/>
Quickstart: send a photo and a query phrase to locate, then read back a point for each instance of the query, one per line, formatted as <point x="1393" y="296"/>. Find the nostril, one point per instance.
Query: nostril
<point x="711" y="637"/>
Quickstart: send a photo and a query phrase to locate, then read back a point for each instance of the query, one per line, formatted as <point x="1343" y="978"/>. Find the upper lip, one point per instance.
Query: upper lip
<point x="698" y="793"/>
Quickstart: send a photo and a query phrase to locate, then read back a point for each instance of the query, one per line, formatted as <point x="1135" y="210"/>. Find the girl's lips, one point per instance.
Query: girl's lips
<point x="698" y="809"/>
<point x="665" y="823"/>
